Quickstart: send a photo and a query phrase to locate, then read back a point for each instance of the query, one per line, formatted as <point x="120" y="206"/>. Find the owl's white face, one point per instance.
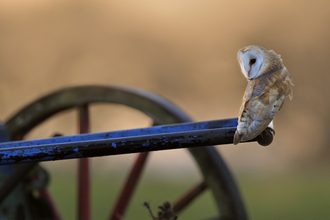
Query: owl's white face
<point x="251" y="63"/>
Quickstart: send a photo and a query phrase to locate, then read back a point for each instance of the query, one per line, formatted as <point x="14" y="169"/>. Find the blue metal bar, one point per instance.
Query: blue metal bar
<point x="120" y="142"/>
<point x="115" y="146"/>
<point x="191" y="126"/>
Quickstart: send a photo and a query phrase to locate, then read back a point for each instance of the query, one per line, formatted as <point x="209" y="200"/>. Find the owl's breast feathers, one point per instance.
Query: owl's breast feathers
<point x="263" y="98"/>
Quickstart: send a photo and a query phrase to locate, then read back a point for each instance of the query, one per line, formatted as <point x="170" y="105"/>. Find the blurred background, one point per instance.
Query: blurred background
<point x="184" y="51"/>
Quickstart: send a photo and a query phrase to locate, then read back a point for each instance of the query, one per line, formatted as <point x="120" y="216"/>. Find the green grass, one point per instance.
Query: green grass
<point x="105" y="188"/>
<point x="303" y="195"/>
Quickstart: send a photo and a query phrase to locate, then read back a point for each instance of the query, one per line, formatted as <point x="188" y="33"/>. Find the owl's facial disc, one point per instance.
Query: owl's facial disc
<point x="251" y="62"/>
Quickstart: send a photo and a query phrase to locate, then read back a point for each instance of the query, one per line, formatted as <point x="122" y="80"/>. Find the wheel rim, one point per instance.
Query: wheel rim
<point x="216" y="174"/>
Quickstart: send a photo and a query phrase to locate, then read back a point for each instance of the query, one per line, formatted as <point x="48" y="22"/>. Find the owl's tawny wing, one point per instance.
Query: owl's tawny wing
<point x="263" y="98"/>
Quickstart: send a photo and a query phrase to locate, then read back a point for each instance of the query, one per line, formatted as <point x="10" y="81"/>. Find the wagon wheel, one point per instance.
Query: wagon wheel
<point x="217" y="176"/>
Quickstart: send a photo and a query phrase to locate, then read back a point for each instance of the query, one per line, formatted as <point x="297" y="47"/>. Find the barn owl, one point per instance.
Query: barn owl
<point x="269" y="82"/>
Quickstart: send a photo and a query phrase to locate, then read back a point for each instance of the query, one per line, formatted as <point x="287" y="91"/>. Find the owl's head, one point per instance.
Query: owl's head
<point x="256" y="60"/>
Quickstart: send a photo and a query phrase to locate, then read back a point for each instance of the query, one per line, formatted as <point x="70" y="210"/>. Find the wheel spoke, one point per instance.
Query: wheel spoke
<point x="190" y="196"/>
<point x="127" y="191"/>
<point x="83" y="170"/>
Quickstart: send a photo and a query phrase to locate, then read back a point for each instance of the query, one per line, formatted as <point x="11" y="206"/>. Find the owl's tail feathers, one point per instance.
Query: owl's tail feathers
<point x="237" y="138"/>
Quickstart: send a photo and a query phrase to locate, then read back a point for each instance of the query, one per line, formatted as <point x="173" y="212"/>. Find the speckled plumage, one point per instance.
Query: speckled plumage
<point x="265" y="93"/>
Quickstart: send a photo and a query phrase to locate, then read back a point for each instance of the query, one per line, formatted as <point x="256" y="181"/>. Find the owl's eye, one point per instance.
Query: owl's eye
<point x="252" y="61"/>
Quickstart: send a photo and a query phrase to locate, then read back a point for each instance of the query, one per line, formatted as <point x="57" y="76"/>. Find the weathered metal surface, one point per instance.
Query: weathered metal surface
<point x="194" y="134"/>
<point x="212" y="166"/>
<point x="191" y="126"/>
<point x="114" y="146"/>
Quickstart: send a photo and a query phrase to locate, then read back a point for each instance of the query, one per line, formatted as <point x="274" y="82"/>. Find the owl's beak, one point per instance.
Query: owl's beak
<point x="248" y="74"/>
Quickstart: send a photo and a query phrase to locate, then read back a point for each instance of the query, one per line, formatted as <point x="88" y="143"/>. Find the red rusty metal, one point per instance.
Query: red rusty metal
<point x="127" y="191"/>
<point x="190" y="196"/>
<point x="83" y="170"/>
